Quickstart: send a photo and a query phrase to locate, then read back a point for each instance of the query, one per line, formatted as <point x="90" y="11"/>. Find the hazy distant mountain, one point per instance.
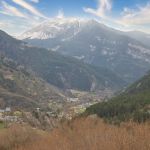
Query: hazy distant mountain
<point x="93" y="43"/>
<point x="61" y="71"/>
<point x="140" y="36"/>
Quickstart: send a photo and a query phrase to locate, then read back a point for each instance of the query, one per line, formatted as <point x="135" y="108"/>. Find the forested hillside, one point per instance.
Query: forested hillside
<point x="132" y="104"/>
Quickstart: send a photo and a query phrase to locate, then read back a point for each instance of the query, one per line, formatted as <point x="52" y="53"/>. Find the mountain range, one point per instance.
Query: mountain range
<point x="125" y="53"/>
<point x="63" y="72"/>
<point x="36" y="77"/>
<point x="75" y="54"/>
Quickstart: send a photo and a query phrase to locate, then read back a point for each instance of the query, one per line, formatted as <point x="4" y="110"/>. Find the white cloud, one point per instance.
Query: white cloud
<point x="10" y="10"/>
<point x="22" y="20"/>
<point x="30" y="8"/>
<point x="4" y="24"/>
<point x="138" y="16"/>
<point x="35" y="1"/>
<point x="16" y="26"/>
<point x="103" y="7"/>
<point x="128" y="19"/>
<point x="60" y="14"/>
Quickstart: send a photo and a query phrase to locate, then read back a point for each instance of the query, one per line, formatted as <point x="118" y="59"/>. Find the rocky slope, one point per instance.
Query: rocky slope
<point x="20" y="89"/>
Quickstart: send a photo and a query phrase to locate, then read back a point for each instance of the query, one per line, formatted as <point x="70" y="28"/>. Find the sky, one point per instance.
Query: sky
<point x="17" y="16"/>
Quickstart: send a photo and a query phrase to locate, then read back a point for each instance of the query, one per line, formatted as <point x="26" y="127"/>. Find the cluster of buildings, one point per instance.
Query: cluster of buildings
<point x="7" y="109"/>
<point x="6" y="116"/>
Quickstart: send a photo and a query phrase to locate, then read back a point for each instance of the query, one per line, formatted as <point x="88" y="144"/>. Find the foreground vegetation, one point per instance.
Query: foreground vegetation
<point x="80" y="134"/>
<point x="124" y="108"/>
<point x="1" y="125"/>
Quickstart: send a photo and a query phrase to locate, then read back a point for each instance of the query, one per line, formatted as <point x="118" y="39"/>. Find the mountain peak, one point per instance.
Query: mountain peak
<point x="56" y="26"/>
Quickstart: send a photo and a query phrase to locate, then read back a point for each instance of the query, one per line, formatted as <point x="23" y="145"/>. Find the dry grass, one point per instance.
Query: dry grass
<point x="80" y="134"/>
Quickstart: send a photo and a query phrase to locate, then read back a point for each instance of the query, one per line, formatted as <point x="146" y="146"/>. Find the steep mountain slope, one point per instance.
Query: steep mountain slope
<point x="63" y="72"/>
<point x="20" y="89"/>
<point x="93" y="43"/>
<point x="133" y="103"/>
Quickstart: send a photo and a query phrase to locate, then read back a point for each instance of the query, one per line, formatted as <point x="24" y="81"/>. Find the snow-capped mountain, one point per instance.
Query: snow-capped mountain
<point x="56" y="31"/>
<point x="94" y="43"/>
<point x="55" y="27"/>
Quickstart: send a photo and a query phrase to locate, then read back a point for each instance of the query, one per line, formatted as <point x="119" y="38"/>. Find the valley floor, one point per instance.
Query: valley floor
<point x="80" y="134"/>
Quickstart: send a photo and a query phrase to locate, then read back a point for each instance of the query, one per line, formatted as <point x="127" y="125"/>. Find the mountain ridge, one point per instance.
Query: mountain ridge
<point x="59" y="70"/>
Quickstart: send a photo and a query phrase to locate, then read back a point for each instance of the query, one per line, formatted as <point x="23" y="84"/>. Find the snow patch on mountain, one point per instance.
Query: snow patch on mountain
<point x="92" y="48"/>
<point x="79" y="57"/>
<point x="98" y="38"/>
<point x="139" y="52"/>
<point x="136" y="55"/>
<point x="139" y="48"/>
<point x="55" y="27"/>
<point x="104" y="52"/>
<point x="55" y="48"/>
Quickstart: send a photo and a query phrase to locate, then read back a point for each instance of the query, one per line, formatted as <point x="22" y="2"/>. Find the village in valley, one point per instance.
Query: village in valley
<point x="7" y="116"/>
<point x="74" y="104"/>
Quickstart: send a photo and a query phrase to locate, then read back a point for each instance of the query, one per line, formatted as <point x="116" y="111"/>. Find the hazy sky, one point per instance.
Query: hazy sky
<point x="17" y="16"/>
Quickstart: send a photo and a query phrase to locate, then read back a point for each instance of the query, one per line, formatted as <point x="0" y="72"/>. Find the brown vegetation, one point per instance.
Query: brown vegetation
<point x="80" y="134"/>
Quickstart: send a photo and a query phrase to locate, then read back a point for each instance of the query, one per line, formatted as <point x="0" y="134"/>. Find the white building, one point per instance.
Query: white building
<point x="8" y="109"/>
